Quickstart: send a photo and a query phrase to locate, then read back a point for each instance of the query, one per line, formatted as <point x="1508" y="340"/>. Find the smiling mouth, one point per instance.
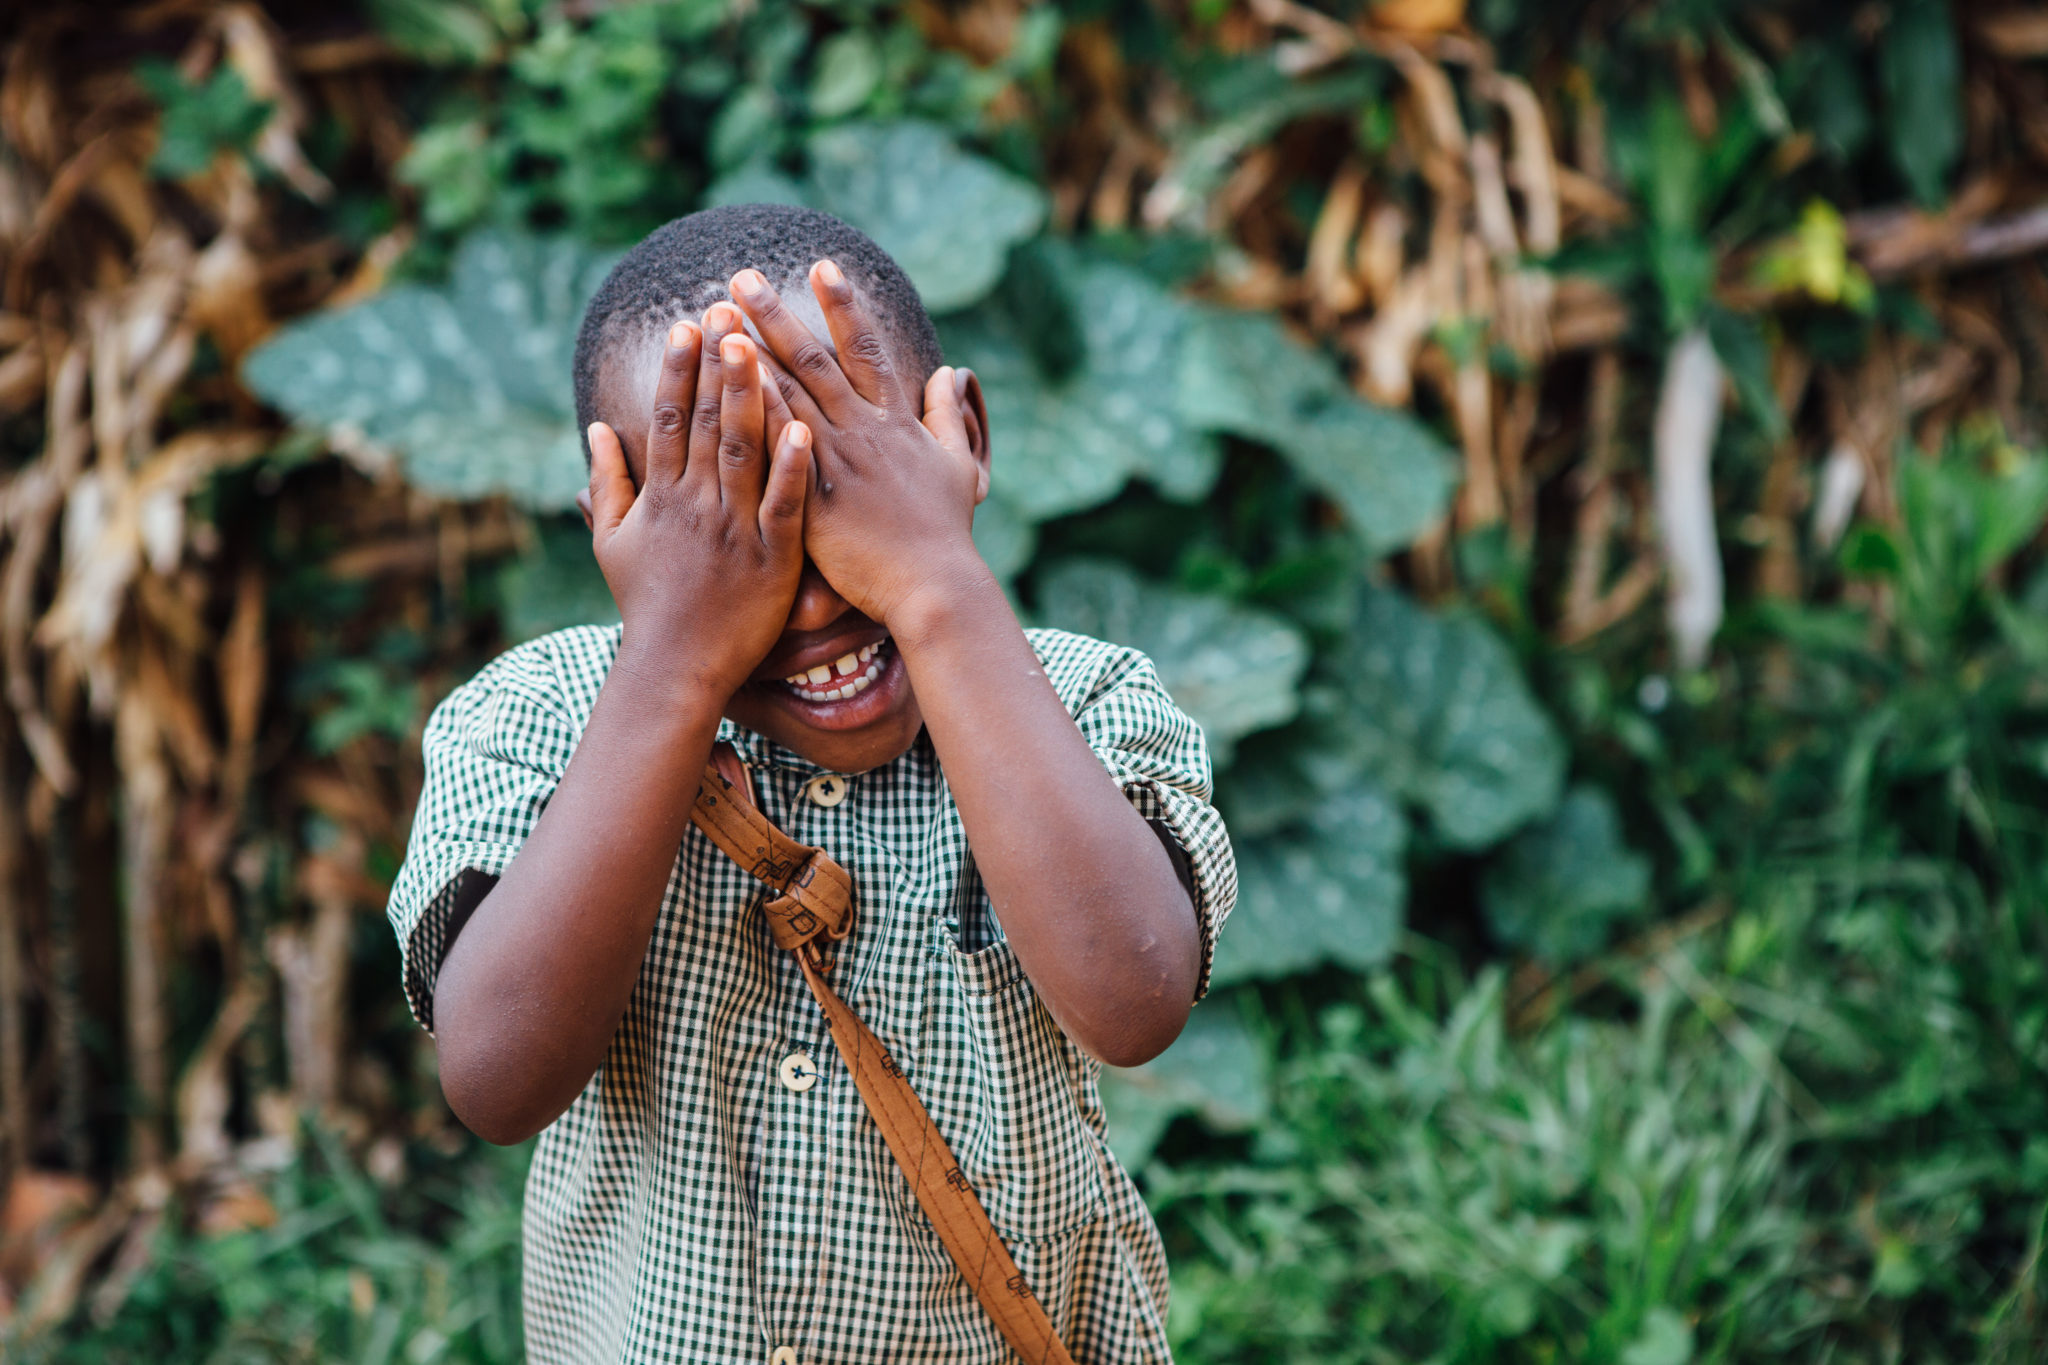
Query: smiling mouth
<point x="848" y="676"/>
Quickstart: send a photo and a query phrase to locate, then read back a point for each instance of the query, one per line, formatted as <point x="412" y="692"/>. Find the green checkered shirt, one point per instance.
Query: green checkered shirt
<point x="718" y="1191"/>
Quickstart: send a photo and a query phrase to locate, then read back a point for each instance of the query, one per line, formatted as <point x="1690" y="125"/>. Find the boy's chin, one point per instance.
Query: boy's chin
<point x="848" y="735"/>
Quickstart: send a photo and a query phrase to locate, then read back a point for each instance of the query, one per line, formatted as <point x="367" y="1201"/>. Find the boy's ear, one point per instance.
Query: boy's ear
<point x="974" y="412"/>
<point x="583" y="506"/>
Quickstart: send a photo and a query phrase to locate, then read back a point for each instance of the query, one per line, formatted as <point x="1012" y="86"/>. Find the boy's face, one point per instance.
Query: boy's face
<point x="833" y="689"/>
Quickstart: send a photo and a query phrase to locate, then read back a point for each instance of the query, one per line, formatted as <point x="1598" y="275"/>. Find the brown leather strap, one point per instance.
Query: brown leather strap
<point x="814" y="901"/>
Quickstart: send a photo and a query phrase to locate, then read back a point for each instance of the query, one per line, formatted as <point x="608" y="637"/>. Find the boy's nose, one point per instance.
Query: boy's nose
<point x="817" y="604"/>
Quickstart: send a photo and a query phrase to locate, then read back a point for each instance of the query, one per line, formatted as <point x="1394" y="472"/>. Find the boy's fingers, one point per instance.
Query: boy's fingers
<point x="740" y="457"/>
<point x="668" y="430"/>
<point x="943" y="417"/>
<point x="787" y="402"/>
<point x="863" y="353"/>
<point x="789" y="482"/>
<point x="775" y="403"/>
<point x="802" y="355"/>
<point x="611" y="483"/>
<point x="720" y="321"/>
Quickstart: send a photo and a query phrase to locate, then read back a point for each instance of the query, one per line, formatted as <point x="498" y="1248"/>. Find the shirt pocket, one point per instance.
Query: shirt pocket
<point x="1005" y="1088"/>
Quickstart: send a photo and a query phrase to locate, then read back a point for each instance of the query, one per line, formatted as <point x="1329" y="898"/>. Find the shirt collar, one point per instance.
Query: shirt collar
<point x="758" y="751"/>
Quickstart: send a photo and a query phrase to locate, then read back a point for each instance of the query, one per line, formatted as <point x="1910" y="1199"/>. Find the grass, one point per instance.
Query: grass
<point x="423" y="1270"/>
<point x="1793" y="1136"/>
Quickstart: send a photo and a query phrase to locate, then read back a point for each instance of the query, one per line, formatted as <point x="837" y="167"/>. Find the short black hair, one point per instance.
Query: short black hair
<point x="683" y="267"/>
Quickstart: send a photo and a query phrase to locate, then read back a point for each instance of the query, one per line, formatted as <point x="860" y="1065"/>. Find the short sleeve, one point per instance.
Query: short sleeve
<point x="494" y="752"/>
<point x="1157" y="754"/>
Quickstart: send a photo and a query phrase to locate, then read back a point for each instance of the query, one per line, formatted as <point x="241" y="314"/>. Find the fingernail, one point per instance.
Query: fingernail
<point x="681" y="335"/>
<point x="721" y="317"/>
<point x="590" y="432"/>
<point x="748" y="282"/>
<point x="829" y="273"/>
<point x="960" y="378"/>
<point x="733" y="350"/>
<point x="799" y="434"/>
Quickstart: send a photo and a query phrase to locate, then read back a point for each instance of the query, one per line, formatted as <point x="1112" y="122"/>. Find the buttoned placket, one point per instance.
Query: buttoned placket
<point x="802" y="1088"/>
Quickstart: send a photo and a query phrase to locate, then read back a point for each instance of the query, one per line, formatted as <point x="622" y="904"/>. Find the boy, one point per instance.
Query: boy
<point x="1039" y="877"/>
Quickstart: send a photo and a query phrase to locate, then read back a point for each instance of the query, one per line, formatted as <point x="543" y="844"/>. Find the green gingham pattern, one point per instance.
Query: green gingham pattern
<point x="690" y="1207"/>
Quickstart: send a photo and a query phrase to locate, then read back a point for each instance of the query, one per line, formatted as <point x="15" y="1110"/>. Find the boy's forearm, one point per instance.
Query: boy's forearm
<point x="533" y="988"/>
<point x="1088" y="897"/>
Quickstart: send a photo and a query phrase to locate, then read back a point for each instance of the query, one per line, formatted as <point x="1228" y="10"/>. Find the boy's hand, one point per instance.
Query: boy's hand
<point x="704" y="557"/>
<point x="896" y="491"/>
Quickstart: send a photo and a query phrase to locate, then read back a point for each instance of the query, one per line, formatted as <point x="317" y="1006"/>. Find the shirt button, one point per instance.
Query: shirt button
<point x="799" y="1073"/>
<point x="826" y="789"/>
<point x="784" y="1355"/>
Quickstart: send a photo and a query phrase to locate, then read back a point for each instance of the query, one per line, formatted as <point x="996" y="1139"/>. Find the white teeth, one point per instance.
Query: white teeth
<point x="806" y="685"/>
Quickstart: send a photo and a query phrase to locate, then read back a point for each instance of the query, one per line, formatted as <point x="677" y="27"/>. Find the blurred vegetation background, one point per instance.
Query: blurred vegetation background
<point x="1580" y="462"/>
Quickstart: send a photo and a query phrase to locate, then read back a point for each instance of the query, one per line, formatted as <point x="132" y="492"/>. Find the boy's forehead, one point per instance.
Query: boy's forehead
<point x="629" y="372"/>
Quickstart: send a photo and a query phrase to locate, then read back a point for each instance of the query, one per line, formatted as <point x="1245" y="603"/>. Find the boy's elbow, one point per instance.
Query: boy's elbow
<point x="502" y="1135"/>
<point x="489" y="1099"/>
<point x="496" y="1118"/>
<point x="1137" y="1036"/>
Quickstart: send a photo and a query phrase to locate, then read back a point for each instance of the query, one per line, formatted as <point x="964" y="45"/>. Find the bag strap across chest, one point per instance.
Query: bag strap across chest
<point x="812" y="907"/>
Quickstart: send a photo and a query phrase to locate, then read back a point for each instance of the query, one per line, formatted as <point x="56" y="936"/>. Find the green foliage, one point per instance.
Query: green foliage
<point x="1217" y="1070"/>
<point x="555" y="584"/>
<point x="1559" y="887"/>
<point x="424" y="1271"/>
<point x="949" y="219"/>
<point x="351" y="698"/>
<point x="1390" y="475"/>
<point x="467" y="385"/>
<point x="1809" y="1131"/>
<point x="200" y="121"/>
<point x="1923" y="74"/>
<point x="1430" y="1188"/>
<point x="1076" y="414"/>
<point x="440" y="33"/>
<point x="1327" y="888"/>
<point x="1232" y="668"/>
<point x="1964" y="516"/>
<point x="1435" y="708"/>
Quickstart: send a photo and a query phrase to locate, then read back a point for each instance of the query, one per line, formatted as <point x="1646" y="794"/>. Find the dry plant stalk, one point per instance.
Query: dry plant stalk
<point x="111" y="627"/>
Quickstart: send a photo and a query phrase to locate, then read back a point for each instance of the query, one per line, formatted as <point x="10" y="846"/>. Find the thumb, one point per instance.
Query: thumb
<point x="611" y="483"/>
<point x="943" y="417"/>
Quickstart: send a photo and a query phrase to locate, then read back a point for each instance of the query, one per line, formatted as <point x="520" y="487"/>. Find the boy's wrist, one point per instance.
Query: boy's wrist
<point x="950" y="595"/>
<point x="665" y="682"/>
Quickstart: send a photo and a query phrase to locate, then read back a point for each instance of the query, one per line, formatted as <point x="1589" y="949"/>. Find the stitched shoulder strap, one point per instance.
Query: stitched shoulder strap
<point x="815" y="900"/>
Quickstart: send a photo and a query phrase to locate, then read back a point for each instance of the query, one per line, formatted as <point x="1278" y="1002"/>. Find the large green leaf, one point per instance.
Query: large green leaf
<point x="1279" y="777"/>
<point x="1215" y="1069"/>
<point x="1922" y="71"/>
<point x="1560" y="887"/>
<point x="756" y="182"/>
<point x="1063" y="444"/>
<point x="1240" y="373"/>
<point x="1436" y="708"/>
<point x="948" y="218"/>
<point x="1004" y="538"/>
<point x="1330" y="889"/>
<point x="1233" y="668"/>
<point x="467" y="385"/>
